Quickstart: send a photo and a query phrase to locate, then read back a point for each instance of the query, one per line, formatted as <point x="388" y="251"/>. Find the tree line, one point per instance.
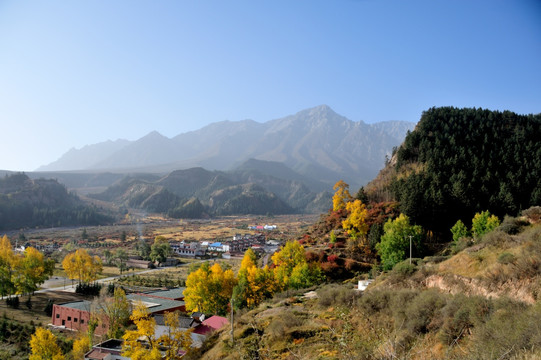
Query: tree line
<point x="461" y="161"/>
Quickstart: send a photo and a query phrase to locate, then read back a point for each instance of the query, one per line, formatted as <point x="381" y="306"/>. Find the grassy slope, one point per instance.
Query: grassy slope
<point x="477" y="304"/>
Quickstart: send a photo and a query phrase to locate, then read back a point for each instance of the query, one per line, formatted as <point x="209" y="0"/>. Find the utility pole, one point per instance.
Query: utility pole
<point x="232" y="334"/>
<point x="410" y="249"/>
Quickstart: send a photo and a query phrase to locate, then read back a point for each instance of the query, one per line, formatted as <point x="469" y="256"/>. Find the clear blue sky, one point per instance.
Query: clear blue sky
<point x="74" y="73"/>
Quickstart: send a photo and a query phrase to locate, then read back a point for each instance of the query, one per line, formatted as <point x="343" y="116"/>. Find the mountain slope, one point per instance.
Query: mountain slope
<point x="461" y="161"/>
<point x="35" y="203"/>
<point x="316" y="142"/>
<point x="245" y="190"/>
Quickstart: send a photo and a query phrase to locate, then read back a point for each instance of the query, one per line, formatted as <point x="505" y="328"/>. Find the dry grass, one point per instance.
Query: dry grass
<point x="39" y="301"/>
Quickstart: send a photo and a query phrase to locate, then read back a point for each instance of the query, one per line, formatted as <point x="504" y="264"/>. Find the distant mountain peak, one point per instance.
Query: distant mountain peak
<point x="316" y="142"/>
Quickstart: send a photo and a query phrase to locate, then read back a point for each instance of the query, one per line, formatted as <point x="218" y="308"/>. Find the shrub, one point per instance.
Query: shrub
<point x="461" y="244"/>
<point x="533" y="214"/>
<point x="512" y="225"/>
<point x="506" y="258"/>
<point x="422" y="312"/>
<point x="375" y="301"/>
<point x="404" y="268"/>
<point x="336" y="295"/>
<point x="13" y="302"/>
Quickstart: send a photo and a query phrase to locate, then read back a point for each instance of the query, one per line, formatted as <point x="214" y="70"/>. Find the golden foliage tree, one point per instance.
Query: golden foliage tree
<point x="8" y="263"/>
<point x="145" y="325"/>
<point x="82" y="266"/>
<point x="341" y="195"/>
<point x="81" y="345"/>
<point x="176" y="340"/>
<point x="209" y="288"/>
<point x="32" y="270"/>
<point x="254" y="283"/>
<point x="43" y="346"/>
<point x="355" y="224"/>
<point x="22" y="273"/>
<point x="291" y="268"/>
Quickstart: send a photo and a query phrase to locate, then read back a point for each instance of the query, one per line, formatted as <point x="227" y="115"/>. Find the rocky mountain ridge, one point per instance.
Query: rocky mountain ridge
<point x="316" y="143"/>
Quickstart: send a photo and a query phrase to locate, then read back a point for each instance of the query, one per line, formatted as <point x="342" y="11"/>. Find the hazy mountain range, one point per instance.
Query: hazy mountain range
<point x="316" y="143"/>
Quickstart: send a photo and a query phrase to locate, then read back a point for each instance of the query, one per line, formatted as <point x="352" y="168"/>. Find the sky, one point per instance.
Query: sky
<point x="74" y="73"/>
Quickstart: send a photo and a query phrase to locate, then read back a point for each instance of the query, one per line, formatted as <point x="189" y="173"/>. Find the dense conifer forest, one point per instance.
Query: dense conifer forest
<point x="461" y="161"/>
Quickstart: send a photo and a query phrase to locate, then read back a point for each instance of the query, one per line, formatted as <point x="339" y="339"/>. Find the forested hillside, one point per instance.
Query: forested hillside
<point x="42" y="203"/>
<point x="461" y="161"/>
<point x="197" y="192"/>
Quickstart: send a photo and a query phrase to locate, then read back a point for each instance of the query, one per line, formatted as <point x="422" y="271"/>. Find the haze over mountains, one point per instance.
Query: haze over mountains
<point x="316" y="143"/>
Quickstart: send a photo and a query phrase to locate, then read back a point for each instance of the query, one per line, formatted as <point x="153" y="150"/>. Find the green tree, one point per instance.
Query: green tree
<point x="114" y="311"/>
<point x="291" y="268"/>
<point x="483" y="223"/>
<point x="121" y="259"/>
<point x="160" y="251"/>
<point x="143" y="248"/>
<point x="395" y="241"/>
<point x="459" y="231"/>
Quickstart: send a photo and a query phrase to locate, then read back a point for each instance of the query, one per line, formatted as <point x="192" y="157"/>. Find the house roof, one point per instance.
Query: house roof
<point x="176" y="293"/>
<point x="216" y="244"/>
<point x="156" y="304"/>
<point x="79" y="305"/>
<point x="96" y="354"/>
<point x="216" y="322"/>
<point x="184" y="322"/>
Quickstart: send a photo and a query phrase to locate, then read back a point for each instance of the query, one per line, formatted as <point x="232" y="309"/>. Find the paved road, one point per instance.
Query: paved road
<point x="66" y="284"/>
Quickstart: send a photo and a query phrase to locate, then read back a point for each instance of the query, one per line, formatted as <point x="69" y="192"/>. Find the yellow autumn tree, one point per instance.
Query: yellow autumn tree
<point x="209" y="288"/>
<point x="82" y="266"/>
<point x="254" y="284"/>
<point x="8" y="264"/>
<point x="43" y="346"/>
<point x="355" y="224"/>
<point x="32" y="270"/>
<point x="145" y="324"/>
<point x="81" y="345"/>
<point x="285" y="260"/>
<point x="176" y="340"/>
<point x="341" y="195"/>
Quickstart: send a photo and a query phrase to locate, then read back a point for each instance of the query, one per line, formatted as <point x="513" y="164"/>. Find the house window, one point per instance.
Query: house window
<point x="69" y="318"/>
<point x="82" y="321"/>
<point x="58" y="316"/>
<point x="74" y="319"/>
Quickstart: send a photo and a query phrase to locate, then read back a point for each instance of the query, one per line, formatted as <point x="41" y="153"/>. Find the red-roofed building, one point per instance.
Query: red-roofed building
<point x="211" y="324"/>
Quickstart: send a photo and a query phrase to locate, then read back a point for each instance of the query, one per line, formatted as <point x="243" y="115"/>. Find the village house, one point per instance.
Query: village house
<point x="191" y="249"/>
<point x="108" y="350"/>
<point x="75" y="315"/>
